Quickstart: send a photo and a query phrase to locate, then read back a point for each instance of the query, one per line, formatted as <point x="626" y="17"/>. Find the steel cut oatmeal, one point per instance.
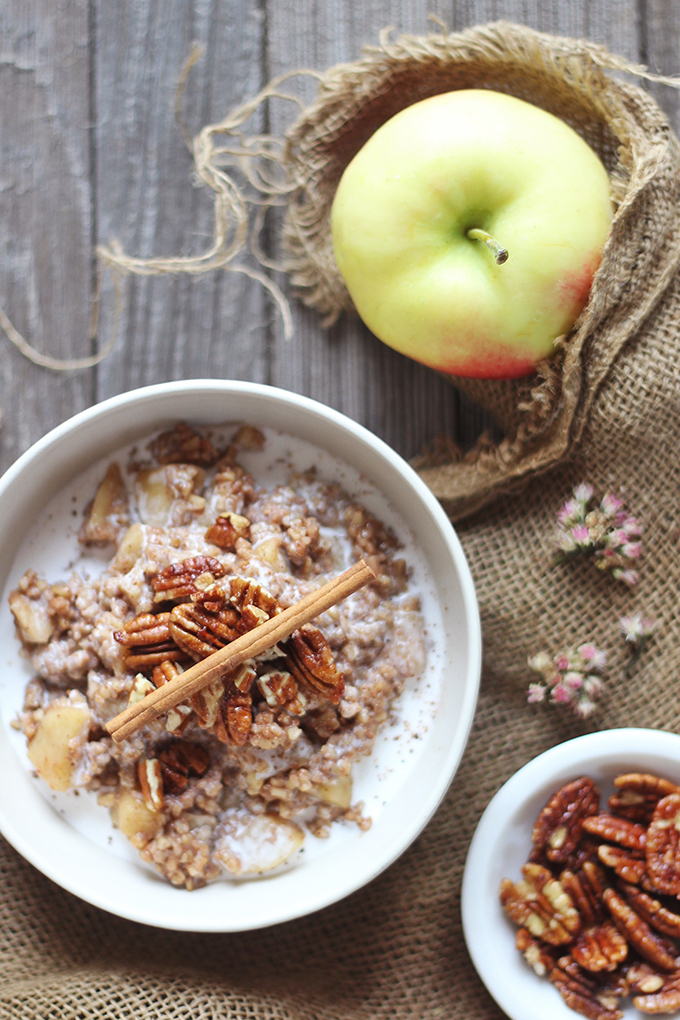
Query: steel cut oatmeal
<point x="202" y="552"/>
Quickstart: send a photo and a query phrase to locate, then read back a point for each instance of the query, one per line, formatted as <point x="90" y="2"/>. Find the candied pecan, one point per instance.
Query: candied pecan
<point x="617" y="830"/>
<point x="651" y="910"/>
<point x="183" y="445"/>
<point x="587" y="899"/>
<point x="626" y="866"/>
<point x="310" y="660"/>
<point x="558" y="828"/>
<point x="199" y="632"/>
<point x="147" y="641"/>
<point x="151" y="782"/>
<point x="643" y="978"/>
<point x="536" y="953"/>
<point x="638" y="933"/>
<point x="180" y="760"/>
<point x="663" y="846"/>
<point x="637" y="795"/>
<point x="600" y="947"/>
<point x="665" y="1000"/>
<point x="227" y="529"/>
<point x="582" y="993"/>
<point x="186" y="578"/>
<point x="540" y="904"/>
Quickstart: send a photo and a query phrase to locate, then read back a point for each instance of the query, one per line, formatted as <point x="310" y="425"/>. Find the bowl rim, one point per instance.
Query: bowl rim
<point x="160" y="392"/>
<point x="604" y="751"/>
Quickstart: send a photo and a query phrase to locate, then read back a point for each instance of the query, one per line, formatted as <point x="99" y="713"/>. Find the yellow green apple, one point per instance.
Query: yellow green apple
<point x="468" y="230"/>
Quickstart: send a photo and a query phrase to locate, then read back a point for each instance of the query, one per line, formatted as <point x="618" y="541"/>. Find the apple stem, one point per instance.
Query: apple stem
<point x="500" y="253"/>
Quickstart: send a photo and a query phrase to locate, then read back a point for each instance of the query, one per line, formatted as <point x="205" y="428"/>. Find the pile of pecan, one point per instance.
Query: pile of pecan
<point x="199" y="611"/>
<point x="597" y="907"/>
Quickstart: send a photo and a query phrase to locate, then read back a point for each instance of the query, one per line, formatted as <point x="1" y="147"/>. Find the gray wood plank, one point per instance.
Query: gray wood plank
<point x="660" y="50"/>
<point x="406" y="404"/>
<point x="172" y="327"/>
<point x="46" y="224"/>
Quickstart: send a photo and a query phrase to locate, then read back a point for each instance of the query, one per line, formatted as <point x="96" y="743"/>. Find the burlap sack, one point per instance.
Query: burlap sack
<point x="607" y="412"/>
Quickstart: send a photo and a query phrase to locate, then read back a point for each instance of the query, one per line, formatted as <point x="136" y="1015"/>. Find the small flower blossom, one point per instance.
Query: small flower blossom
<point x="637" y="630"/>
<point x="606" y="531"/>
<point x="569" y="678"/>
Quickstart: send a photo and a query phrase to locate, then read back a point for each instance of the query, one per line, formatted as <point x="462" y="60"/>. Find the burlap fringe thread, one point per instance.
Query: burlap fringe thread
<point x="543" y="417"/>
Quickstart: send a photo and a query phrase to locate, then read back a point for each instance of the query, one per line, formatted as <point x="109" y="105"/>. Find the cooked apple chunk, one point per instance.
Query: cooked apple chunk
<point x="57" y="745"/>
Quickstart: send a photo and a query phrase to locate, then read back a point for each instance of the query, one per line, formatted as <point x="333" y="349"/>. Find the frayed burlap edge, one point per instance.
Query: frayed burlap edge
<point x="544" y="417"/>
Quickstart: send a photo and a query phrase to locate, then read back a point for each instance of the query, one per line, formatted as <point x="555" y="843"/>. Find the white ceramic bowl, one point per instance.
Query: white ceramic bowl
<point x="502" y="843"/>
<point x="412" y="766"/>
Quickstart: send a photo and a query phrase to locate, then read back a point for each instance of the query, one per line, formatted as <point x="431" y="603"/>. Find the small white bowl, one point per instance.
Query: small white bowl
<point x="406" y="778"/>
<point x="502" y="843"/>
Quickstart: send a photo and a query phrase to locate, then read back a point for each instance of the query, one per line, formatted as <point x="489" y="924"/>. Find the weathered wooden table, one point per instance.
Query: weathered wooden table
<point x="90" y="151"/>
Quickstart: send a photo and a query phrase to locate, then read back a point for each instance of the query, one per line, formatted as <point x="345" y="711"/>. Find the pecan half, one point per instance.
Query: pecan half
<point x="540" y="904"/>
<point x="558" y="828"/>
<point x="637" y="795"/>
<point x="235" y="717"/>
<point x="310" y="660"/>
<point x="642" y="978"/>
<point x="199" y="632"/>
<point x="254" y="603"/>
<point x="139" y="690"/>
<point x="617" y="830"/>
<point x="147" y="641"/>
<point x="586" y="894"/>
<point x="638" y="933"/>
<point x="582" y="993"/>
<point x="663" y="846"/>
<point x="626" y="866"/>
<point x="186" y="578"/>
<point x="277" y="687"/>
<point x="652" y="911"/>
<point x="151" y="783"/>
<point x="666" y="1000"/>
<point x="180" y="760"/>
<point x="601" y="947"/>
<point x="536" y="953"/>
<point x="227" y="530"/>
<point x="183" y="445"/>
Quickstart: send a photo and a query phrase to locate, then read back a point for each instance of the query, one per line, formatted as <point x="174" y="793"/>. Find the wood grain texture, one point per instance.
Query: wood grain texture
<point x="172" y="327"/>
<point x="45" y="212"/>
<point x="89" y="151"/>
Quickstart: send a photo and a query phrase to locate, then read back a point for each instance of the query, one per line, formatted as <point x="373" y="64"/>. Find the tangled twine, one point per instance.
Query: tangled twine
<point x="272" y="179"/>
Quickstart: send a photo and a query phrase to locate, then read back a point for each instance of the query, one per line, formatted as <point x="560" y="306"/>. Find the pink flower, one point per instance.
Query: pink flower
<point x="560" y="695"/>
<point x="593" y="656"/>
<point x="580" y="534"/>
<point x="611" y="503"/>
<point x="573" y="681"/>
<point x="536" y="692"/>
<point x="627" y="576"/>
<point x="562" y="663"/>
<point x="583" y="493"/>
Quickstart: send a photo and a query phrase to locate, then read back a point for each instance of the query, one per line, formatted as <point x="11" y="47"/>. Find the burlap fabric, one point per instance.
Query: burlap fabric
<point x="606" y="411"/>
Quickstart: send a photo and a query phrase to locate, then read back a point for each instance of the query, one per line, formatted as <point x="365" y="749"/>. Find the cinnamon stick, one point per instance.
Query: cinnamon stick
<point x="247" y="646"/>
